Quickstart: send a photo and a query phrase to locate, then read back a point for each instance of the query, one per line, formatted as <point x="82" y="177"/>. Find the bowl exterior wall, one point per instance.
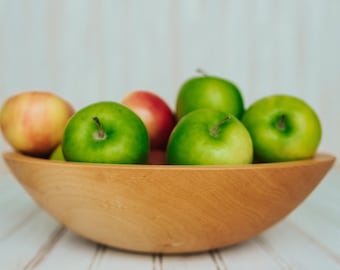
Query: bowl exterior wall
<point x="167" y="209"/>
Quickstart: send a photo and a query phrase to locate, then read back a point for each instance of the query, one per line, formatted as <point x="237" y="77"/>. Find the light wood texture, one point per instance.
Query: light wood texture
<point x="168" y="209"/>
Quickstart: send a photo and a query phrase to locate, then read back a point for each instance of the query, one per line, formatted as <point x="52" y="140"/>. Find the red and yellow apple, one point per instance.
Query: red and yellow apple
<point x="155" y="113"/>
<point x="33" y="122"/>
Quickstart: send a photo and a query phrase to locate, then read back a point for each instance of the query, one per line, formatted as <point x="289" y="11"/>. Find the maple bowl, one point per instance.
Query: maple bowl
<point x="168" y="208"/>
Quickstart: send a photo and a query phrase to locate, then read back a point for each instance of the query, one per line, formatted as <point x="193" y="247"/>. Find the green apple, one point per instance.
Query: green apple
<point x="209" y="92"/>
<point x="282" y="128"/>
<point x="57" y="154"/>
<point x="106" y="132"/>
<point x="209" y="137"/>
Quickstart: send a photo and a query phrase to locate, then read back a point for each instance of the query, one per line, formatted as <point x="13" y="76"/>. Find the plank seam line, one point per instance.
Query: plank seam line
<point x="45" y="248"/>
<point x="17" y="226"/>
<point x="157" y="261"/>
<point x="99" y="253"/>
<point x="218" y="260"/>
<point x="262" y="243"/>
<point x="311" y="238"/>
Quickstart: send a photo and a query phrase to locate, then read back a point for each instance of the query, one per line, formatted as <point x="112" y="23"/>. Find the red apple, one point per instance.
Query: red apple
<point x="157" y="157"/>
<point x="155" y="114"/>
<point x="33" y="122"/>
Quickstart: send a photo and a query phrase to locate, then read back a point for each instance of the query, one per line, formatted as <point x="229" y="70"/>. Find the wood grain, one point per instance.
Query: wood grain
<point x="168" y="209"/>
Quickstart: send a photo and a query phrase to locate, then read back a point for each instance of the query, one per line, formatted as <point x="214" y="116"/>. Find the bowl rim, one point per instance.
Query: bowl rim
<point x="317" y="158"/>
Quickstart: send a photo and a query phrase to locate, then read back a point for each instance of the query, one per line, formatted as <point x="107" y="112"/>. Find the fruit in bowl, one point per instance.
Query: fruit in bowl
<point x="57" y="154"/>
<point x="155" y="113"/>
<point x="212" y="92"/>
<point x="33" y="122"/>
<point x="106" y="132"/>
<point x="282" y="128"/>
<point x="209" y="137"/>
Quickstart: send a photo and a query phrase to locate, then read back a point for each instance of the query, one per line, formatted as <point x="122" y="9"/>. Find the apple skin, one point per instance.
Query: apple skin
<point x="155" y="114"/>
<point x="209" y="92"/>
<point x="57" y="154"/>
<point x="299" y="136"/>
<point x="193" y="142"/>
<point x="33" y="122"/>
<point x="157" y="157"/>
<point x="125" y="139"/>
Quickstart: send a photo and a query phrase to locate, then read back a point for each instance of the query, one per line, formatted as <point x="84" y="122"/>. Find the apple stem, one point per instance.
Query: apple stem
<point x="282" y="122"/>
<point x="100" y="134"/>
<point x="202" y="72"/>
<point x="214" y="130"/>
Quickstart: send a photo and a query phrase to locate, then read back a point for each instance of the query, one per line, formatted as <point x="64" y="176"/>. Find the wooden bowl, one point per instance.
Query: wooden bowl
<point x="166" y="208"/>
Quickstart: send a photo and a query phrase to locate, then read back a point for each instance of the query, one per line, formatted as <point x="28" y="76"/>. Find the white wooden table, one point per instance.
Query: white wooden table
<point x="309" y="238"/>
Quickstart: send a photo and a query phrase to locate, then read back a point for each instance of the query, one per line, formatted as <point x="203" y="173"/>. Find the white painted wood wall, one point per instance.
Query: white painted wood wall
<point x="87" y="50"/>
